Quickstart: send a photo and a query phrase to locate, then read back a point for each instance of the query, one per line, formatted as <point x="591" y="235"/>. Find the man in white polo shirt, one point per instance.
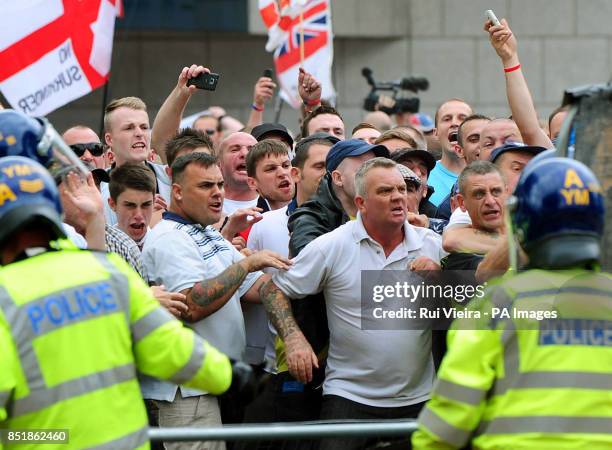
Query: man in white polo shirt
<point x="370" y="374"/>
<point x="187" y="255"/>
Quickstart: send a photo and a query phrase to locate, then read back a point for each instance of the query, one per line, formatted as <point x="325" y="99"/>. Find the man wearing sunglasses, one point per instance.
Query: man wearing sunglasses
<point x="87" y="146"/>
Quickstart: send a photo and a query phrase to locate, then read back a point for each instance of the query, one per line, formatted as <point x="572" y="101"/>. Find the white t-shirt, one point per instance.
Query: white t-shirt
<point x="229" y="206"/>
<point x="270" y="233"/>
<point x="74" y="236"/>
<point x="459" y="217"/>
<point x="383" y="368"/>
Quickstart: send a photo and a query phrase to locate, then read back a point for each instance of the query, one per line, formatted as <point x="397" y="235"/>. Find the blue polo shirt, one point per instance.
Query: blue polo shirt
<point x="442" y="181"/>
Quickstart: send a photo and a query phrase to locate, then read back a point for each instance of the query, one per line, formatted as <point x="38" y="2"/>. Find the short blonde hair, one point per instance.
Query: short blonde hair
<point x="397" y="134"/>
<point x="125" y="102"/>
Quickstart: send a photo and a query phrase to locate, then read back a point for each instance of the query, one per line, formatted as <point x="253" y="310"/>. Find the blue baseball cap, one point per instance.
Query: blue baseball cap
<point x="352" y="147"/>
<point x="423" y="122"/>
<point x="515" y="146"/>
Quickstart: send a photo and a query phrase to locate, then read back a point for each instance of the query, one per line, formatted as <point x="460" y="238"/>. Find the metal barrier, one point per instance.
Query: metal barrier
<point x="287" y="430"/>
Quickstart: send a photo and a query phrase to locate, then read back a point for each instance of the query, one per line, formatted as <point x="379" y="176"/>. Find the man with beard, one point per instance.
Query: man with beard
<point x="448" y="117"/>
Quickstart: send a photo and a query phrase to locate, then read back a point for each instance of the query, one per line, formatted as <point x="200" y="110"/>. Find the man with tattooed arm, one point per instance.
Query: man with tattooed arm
<point x="370" y="374"/>
<point x="186" y="254"/>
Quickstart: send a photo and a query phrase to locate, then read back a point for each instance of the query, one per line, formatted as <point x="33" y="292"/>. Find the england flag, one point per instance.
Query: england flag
<point x="54" y="51"/>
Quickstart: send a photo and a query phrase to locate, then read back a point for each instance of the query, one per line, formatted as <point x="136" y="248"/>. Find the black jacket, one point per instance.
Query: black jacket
<point x="319" y="215"/>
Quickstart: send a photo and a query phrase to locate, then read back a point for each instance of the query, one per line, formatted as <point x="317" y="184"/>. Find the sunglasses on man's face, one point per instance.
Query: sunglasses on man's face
<point x="95" y="148"/>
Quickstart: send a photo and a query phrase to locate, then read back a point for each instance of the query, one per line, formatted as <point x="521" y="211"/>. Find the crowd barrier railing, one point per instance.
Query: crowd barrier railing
<point x="287" y="431"/>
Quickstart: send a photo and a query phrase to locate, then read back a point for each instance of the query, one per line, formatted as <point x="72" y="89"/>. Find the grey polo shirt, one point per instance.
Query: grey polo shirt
<point x="383" y="368"/>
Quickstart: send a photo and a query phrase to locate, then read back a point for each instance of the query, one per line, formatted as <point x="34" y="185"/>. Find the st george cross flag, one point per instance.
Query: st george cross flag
<point x="54" y="51"/>
<point x="282" y="19"/>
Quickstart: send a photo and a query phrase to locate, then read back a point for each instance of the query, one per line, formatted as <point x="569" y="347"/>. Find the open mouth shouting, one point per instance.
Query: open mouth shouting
<point x="241" y="169"/>
<point x="285" y="186"/>
<point x="491" y="215"/>
<point x="138" y="229"/>
<point x="453" y="136"/>
<point x="398" y="211"/>
<point x="139" y="146"/>
<point x="215" y="206"/>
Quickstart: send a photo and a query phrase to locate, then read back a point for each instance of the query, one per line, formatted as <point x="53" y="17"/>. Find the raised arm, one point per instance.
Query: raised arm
<point x="263" y="92"/>
<point x="310" y="90"/>
<point x="82" y="197"/>
<point x="169" y="117"/>
<point x="521" y="104"/>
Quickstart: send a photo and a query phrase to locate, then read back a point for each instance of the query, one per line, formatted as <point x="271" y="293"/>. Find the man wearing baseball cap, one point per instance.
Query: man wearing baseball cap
<point x="275" y="131"/>
<point x="421" y="162"/>
<point x="333" y="203"/>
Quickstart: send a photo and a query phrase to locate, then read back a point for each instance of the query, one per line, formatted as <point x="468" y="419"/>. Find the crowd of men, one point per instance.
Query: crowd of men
<point x="256" y="237"/>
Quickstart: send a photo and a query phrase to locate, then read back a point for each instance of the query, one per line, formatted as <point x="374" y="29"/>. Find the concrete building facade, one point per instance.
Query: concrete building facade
<point x="562" y="44"/>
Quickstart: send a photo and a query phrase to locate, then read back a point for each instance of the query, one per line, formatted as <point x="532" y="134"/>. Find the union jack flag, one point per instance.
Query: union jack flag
<point x="285" y="30"/>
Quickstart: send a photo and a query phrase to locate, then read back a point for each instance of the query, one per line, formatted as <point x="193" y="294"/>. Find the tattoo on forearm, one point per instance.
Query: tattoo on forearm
<point x="225" y="284"/>
<point x="492" y="235"/>
<point x="279" y="309"/>
<point x="187" y="316"/>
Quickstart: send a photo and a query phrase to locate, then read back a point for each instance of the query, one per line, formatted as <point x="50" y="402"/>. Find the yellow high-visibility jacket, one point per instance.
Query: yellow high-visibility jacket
<point x="521" y="383"/>
<point x="74" y="328"/>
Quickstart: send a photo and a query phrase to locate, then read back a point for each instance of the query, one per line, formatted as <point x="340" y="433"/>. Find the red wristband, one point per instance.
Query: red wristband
<point x="312" y="102"/>
<point x="256" y="108"/>
<point x="512" y="69"/>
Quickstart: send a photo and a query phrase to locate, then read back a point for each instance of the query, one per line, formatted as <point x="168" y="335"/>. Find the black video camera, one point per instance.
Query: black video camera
<point x="396" y="104"/>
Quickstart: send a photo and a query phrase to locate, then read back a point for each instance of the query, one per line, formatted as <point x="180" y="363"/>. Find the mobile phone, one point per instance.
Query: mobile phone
<point x="206" y="81"/>
<point x="268" y="73"/>
<point x="492" y="17"/>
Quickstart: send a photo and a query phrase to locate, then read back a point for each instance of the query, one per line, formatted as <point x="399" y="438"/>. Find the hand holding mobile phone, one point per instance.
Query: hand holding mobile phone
<point x="205" y="80"/>
<point x="268" y="73"/>
<point x="492" y="17"/>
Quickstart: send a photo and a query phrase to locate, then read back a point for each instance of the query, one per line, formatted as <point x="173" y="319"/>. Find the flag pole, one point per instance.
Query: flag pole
<point x="104" y="102"/>
<point x="302" y="35"/>
<point x="278" y="107"/>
